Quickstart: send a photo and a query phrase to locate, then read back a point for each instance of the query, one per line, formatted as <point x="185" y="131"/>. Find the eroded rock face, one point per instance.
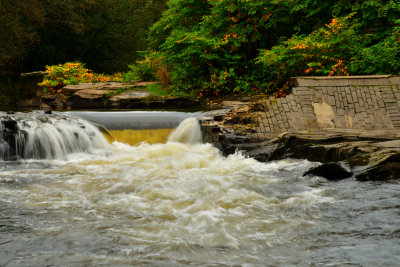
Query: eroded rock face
<point x="370" y="155"/>
<point x="384" y="165"/>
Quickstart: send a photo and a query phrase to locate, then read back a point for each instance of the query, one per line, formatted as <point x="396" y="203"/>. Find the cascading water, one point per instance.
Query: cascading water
<point x="37" y="135"/>
<point x="188" y="132"/>
<point x="183" y="204"/>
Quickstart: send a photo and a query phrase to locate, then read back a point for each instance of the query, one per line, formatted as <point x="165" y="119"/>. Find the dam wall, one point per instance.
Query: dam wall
<point x="351" y="102"/>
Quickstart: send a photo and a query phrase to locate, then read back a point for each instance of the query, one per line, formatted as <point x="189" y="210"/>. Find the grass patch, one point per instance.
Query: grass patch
<point x="155" y="89"/>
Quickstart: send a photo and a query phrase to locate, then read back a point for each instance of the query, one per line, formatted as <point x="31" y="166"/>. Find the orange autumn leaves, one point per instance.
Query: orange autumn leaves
<point x="321" y="54"/>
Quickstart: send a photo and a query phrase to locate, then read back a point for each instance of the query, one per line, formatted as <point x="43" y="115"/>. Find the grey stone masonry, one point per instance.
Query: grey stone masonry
<point x="346" y="102"/>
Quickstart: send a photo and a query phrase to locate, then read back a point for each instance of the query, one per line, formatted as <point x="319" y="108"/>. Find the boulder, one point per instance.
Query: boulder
<point x="330" y="171"/>
<point x="263" y="153"/>
<point x="87" y="98"/>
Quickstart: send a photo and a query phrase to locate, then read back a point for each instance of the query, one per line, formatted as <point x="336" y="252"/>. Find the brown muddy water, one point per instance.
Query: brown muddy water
<point x="179" y="202"/>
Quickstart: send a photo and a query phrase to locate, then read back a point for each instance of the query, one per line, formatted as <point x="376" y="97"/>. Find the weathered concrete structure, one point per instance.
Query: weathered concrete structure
<point x="355" y="102"/>
<point x="351" y="124"/>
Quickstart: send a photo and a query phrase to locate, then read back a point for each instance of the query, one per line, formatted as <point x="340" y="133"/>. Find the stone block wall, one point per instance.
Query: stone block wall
<point x="353" y="102"/>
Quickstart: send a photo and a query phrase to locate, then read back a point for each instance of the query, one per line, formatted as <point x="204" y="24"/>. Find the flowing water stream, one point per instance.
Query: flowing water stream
<point x="181" y="203"/>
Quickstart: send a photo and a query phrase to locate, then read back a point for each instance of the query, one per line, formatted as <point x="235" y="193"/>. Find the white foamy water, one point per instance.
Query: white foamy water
<point x="180" y="204"/>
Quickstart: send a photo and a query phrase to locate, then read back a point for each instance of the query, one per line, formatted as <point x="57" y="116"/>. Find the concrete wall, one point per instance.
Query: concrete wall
<point x="354" y="102"/>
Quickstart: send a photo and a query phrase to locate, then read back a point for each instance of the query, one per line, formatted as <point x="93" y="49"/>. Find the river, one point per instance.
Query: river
<point x="181" y="203"/>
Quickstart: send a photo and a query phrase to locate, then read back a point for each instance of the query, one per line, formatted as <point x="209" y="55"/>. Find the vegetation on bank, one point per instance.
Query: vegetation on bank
<point x="202" y="48"/>
<point x="220" y="47"/>
<point x="72" y="73"/>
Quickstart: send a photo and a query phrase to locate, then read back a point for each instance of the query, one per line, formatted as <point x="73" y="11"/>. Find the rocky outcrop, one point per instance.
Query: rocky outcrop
<point x="371" y="155"/>
<point x="84" y="95"/>
<point x="114" y="95"/>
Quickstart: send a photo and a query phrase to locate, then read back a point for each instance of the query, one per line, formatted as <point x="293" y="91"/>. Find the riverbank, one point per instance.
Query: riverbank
<point x="351" y="121"/>
<point x="94" y="96"/>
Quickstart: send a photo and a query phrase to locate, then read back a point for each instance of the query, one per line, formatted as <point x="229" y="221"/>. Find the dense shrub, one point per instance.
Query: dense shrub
<point x="151" y="68"/>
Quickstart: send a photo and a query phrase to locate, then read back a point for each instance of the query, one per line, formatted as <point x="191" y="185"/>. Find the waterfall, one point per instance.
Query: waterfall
<point x="187" y="132"/>
<point x="37" y="135"/>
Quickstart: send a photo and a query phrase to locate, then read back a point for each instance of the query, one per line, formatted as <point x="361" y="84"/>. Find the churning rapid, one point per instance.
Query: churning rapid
<point x="181" y="203"/>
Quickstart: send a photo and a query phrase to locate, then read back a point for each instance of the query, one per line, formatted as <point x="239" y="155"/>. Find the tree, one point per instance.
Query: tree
<point x="105" y="34"/>
<point x="230" y="46"/>
<point x="18" y="23"/>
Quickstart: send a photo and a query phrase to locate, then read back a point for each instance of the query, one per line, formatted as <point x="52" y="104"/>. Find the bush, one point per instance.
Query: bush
<point x="72" y="73"/>
<point x="151" y="68"/>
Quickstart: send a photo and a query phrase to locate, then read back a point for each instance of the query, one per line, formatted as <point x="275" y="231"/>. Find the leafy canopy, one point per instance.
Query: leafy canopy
<point x="224" y="46"/>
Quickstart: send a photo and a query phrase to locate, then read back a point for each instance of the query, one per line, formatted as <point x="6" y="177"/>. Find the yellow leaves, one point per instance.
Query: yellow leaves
<point x="225" y="75"/>
<point x="299" y="46"/>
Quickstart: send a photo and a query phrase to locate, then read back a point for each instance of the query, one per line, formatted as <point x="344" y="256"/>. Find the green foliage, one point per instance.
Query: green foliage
<point x="219" y="47"/>
<point x="339" y="48"/>
<point x="151" y="68"/>
<point x="380" y="58"/>
<point x="323" y="52"/>
<point x="142" y="71"/>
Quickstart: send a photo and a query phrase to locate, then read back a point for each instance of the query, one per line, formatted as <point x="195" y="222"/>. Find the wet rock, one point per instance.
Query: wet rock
<point x="10" y="126"/>
<point x="330" y="171"/>
<point x="382" y="166"/>
<point x="371" y="155"/>
<point x="263" y="153"/>
<point x="8" y="138"/>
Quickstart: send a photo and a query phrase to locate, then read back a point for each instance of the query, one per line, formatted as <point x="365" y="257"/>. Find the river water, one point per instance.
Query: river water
<point x="180" y="204"/>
